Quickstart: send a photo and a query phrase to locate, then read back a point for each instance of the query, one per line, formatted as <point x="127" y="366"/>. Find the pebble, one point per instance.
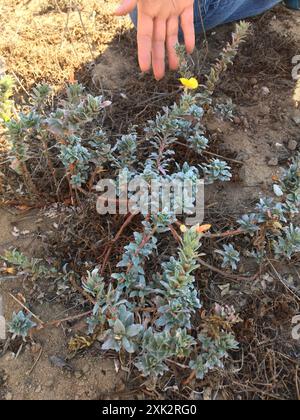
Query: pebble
<point x="265" y="90"/>
<point x="292" y="145"/>
<point x="273" y="162"/>
<point x="253" y="81"/>
<point x="38" y="389"/>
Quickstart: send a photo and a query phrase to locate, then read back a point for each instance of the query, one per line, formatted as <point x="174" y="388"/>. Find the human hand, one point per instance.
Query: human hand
<point x="157" y="31"/>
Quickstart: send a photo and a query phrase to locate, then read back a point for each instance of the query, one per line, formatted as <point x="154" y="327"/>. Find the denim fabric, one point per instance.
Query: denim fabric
<point x="217" y="12"/>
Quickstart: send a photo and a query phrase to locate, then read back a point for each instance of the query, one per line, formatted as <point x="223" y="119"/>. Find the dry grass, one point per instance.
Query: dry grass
<point x="50" y="46"/>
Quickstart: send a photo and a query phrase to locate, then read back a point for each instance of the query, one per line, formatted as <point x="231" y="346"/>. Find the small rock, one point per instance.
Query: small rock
<point x="265" y="90"/>
<point x="292" y="145"/>
<point x="253" y="81"/>
<point x="9" y="396"/>
<point x="273" y="161"/>
<point x="38" y="389"/>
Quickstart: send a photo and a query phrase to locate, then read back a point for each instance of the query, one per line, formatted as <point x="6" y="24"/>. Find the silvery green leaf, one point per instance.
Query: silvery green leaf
<point x="128" y="346"/>
<point x="111" y="344"/>
<point x="134" y="330"/>
<point x="119" y="327"/>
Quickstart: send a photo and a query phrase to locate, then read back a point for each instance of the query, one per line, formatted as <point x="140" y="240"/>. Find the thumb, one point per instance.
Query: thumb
<point x="126" y="7"/>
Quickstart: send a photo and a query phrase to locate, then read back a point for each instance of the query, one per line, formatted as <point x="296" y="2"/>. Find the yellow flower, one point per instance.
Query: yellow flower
<point x="183" y="228"/>
<point x="191" y="83"/>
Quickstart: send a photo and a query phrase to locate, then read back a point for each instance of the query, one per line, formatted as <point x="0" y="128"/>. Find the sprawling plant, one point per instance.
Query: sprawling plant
<point x="47" y="139"/>
<point x="20" y="324"/>
<point x="214" y="351"/>
<point x="172" y="294"/>
<point x="32" y="266"/>
<point x="154" y="316"/>
<point x="273" y="221"/>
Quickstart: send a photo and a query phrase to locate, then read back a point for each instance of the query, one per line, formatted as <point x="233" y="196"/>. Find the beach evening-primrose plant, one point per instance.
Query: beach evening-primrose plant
<point x="174" y="295"/>
<point x="152" y="314"/>
<point x="46" y="138"/>
<point x="20" y="325"/>
<point x="274" y="217"/>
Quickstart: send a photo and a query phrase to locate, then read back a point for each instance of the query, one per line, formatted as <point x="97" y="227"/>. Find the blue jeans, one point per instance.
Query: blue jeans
<point x="218" y="12"/>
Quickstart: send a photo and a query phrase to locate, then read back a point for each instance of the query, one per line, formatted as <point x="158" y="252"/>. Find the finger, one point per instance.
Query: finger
<point x="187" y="25"/>
<point x="127" y="6"/>
<point x="172" y="41"/>
<point x="144" y="39"/>
<point x="158" y="48"/>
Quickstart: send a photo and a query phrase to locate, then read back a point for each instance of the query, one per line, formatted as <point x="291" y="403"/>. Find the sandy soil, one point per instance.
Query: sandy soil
<point x="88" y="377"/>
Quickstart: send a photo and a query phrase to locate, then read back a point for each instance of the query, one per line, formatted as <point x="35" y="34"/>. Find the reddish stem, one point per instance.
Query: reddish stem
<point x="127" y="222"/>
